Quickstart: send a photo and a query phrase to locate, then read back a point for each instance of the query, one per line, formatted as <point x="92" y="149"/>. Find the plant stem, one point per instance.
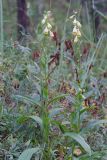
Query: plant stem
<point x="73" y="146"/>
<point x="44" y="103"/>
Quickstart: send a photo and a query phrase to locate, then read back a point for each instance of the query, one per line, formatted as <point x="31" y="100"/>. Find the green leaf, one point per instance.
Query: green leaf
<point x="39" y="29"/>
<point x="28" y="153"/>
<point x="88" y="94"/>
<point x="80" y="140"/>
<point x="94" y="123"/>
<point x="83" y="110"/>
<point x="62" y="127"/>
<point x="54" y="112"/>
<point x="57" y="98"/>
<point x="42" y="62"/>
<point x="38" y="120"/>
<point x="45" y="92"/>
<point x="22" y="119"/>
<point x="24" y="98"/>
<point x="98" y="155"/>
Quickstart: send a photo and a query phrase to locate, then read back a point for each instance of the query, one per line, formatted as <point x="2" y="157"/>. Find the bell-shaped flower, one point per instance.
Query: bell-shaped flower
<point x="76" y="39"/>
<point x="46" y="31"/>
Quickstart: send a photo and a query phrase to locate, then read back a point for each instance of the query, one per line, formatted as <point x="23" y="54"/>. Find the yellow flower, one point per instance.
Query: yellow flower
<point x="71" y="17"/>
<point x="49" y="26"/>
<point x="77" y="23"/>
<point x="51" y="34"/>
<point x="78" y="33"/>
<point x="43" y="21"/>
<point x="76" y="39"/>
<point x="74" y="32"/>
<point x="46" y="31"/>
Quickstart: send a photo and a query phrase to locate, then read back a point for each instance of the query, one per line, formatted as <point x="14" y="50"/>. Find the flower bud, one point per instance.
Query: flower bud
<point x="78" y="33"/>
<point x="49" y="26"/>
<point x="43" y="21"/>
<point x="74" y="32"/>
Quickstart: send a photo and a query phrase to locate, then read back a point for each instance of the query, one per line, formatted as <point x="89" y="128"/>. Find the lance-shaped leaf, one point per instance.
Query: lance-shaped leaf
<point x="38" y="120"/>
<point x="79" y="140"/>
<point x="28" y="153"/>
<point x="55" y="99"/>
<point x="53" y="112"/>
<point x="26" y="99"/>
<point x="94" y="123"/>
